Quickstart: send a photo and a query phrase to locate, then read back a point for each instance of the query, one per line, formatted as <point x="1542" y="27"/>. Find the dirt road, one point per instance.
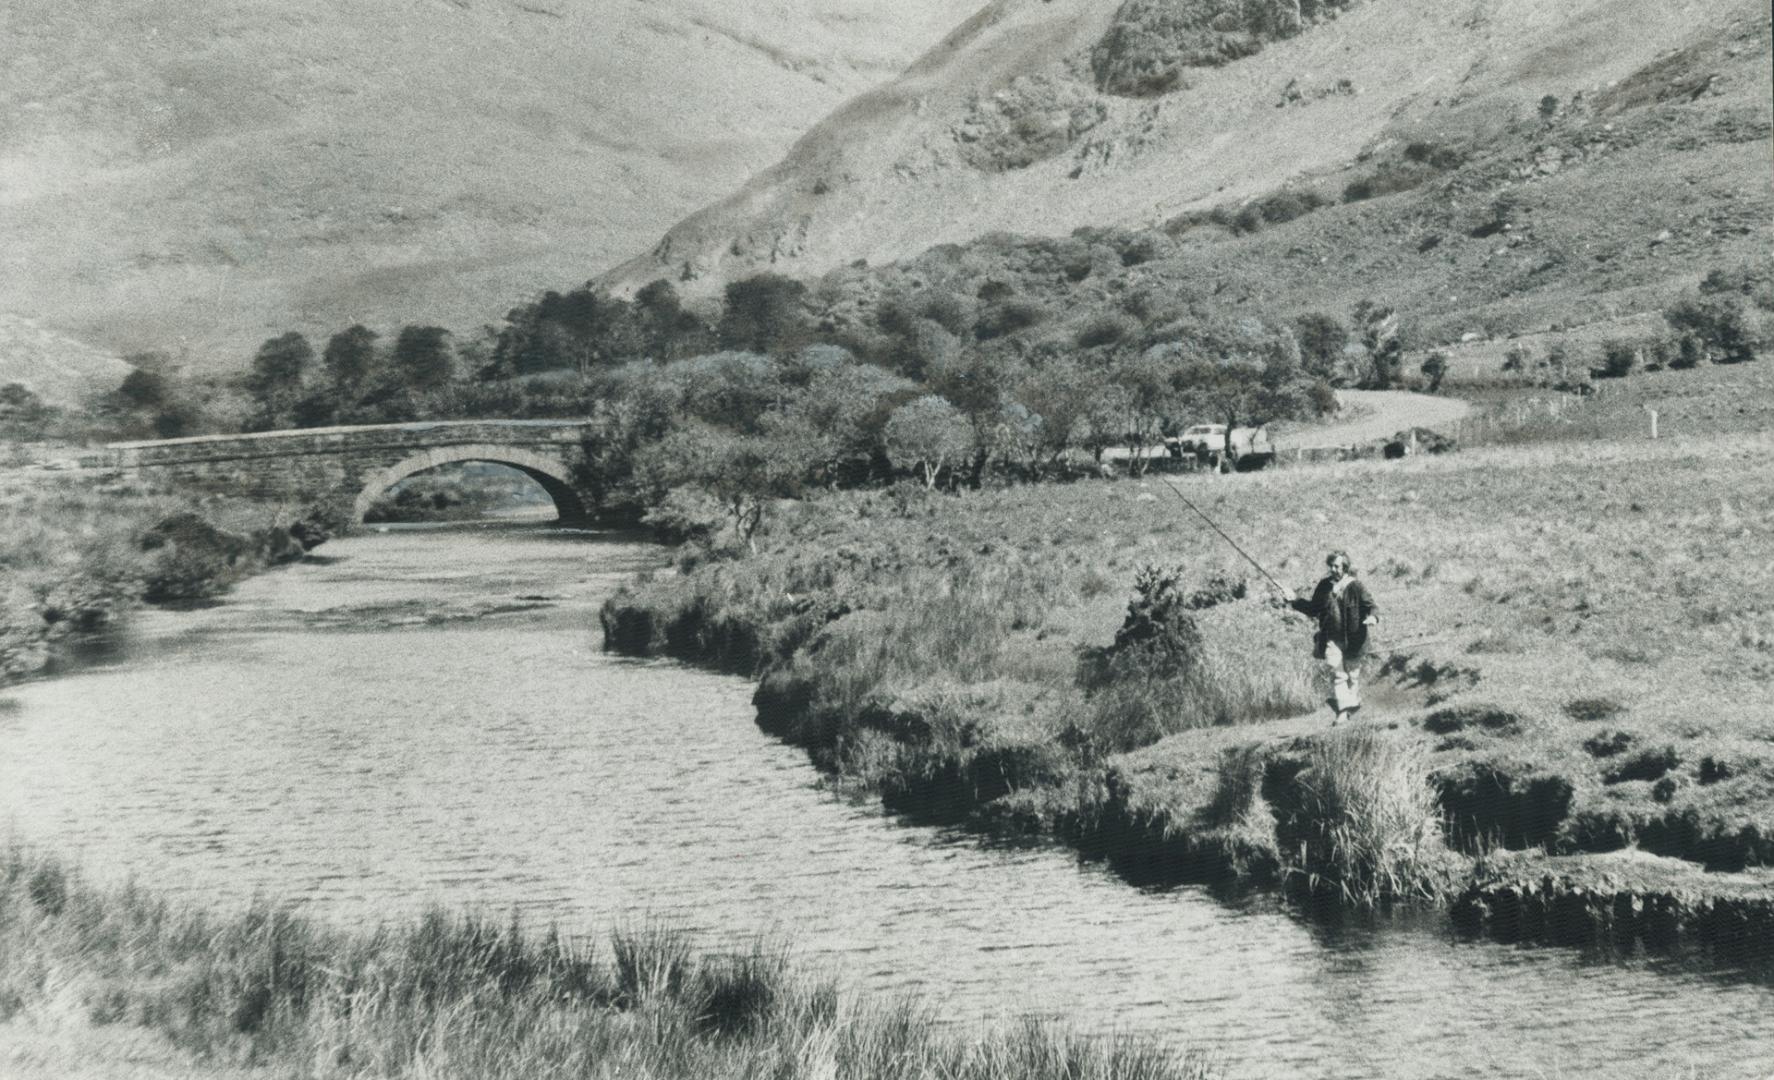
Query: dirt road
<point x="1376" y="414"/>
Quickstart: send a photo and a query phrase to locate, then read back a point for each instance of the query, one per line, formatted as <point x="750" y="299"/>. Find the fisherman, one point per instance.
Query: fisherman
<point x="1344" y="611"/>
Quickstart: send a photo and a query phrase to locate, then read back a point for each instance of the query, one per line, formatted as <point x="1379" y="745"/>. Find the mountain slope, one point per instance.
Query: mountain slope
<point x="1656" y="116"/>
<point x="60" y="370"/>
<point x="193" y="177"/>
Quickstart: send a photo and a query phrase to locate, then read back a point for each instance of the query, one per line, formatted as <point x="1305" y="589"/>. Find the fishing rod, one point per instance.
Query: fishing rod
<point x="1223" y="536"/>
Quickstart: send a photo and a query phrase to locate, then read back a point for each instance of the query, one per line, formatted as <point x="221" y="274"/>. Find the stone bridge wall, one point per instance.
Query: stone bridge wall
<point x="356" y="464"/>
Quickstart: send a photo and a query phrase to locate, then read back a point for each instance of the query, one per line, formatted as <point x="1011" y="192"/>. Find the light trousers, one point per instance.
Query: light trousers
<point x="1345" y="677"/>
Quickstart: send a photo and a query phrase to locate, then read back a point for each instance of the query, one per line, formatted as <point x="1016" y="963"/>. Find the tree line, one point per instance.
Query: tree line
<point x="1009" y="357"/>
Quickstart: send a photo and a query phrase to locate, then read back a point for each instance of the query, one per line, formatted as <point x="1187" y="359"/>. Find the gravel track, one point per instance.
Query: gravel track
<point x="1378" y="414"/>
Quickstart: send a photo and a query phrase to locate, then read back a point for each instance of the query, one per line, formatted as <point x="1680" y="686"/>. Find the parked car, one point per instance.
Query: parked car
<point x="1243" y="448"/>
<point x="1202" y="437"/>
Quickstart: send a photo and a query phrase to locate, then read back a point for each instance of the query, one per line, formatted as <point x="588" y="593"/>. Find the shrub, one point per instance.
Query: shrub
<point x="1753" y="280"/>
<point x="686" y="514"/>
<point x="1387" y="178"/>
<point x="1145" y="685"/>
<point x="1322" y="339"/>
<point x="190" y="559"/>
<point x="1435" y="369"/>
<point x="1717" y="323"/>
<point x="1650" y="764"/>
<point x="1276" y="209"/>
<point x="1619" y="358"/>
<point x="1686" y="352"/>
<point x="1109" y="328"/>
<point x="929" y="434"/>
<point x="1433" y="155"/>
<point x="1008" y="317"/>
<point x="1607" y="744"/>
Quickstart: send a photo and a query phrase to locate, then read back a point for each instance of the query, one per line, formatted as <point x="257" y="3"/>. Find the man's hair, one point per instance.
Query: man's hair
<point x="1348" y="565"/>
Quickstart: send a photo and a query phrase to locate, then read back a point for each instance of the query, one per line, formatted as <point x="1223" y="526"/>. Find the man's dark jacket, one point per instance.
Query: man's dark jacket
<point x="1340" y="618"/>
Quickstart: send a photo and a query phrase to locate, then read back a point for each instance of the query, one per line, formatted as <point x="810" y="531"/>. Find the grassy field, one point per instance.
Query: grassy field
<point x="263" y="992"/>
<point x="1575" y="656"/>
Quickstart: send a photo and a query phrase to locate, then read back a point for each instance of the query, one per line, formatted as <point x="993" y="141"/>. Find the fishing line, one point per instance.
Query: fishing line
<point x="1223" y="536"/>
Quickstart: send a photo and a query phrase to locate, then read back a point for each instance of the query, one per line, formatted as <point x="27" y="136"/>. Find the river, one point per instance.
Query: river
<point x="425" y="716"/>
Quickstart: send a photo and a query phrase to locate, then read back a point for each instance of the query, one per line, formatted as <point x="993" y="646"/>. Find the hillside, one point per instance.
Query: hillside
<point x="194" y="177"/>
<point x="58" y="369"/>
<point x="1490" y="167"/>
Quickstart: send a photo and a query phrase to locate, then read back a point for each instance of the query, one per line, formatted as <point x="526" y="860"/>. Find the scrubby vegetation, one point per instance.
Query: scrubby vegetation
<point x="74" y="560"/>
<point x="1032" y="119"/>
<point x="450" y="996"/>
<point x="1152" y="43"/>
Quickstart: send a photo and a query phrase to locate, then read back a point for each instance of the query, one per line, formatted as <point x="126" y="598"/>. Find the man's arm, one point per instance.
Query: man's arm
<point x="1370" y="611"/>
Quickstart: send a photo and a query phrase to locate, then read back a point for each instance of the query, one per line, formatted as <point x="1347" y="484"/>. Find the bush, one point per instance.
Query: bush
<point x="1435" y="369"/>
<point x="1752" y="280"/>
<point x="1686" y="352"/>
<point x="686" y="514"/>
<point x="1152" y="680"/>
<point x="1109" y="328"/>
<point x="1718" y="325"/>
<point x="1619" y="358"/>
<point x="190" y="559"/>
<point x="1433" y="155"/>
<point x="1388" y="178"/>
<point x="1008" y="317"/>
<point x="1276" y="209"/>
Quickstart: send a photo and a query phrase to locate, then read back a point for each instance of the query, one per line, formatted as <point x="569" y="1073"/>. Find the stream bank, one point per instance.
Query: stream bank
<point x="935" y="649"/>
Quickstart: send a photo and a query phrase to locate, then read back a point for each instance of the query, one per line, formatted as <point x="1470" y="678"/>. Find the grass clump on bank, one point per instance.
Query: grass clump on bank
<point x="465" y="997"/>
<point x="1369" y="822"/>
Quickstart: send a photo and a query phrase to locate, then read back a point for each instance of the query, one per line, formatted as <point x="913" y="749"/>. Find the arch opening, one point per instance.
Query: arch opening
<point x="548" y="474"/>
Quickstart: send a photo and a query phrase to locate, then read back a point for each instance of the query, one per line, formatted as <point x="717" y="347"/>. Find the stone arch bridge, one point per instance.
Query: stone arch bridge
<point x="352" y="466"/>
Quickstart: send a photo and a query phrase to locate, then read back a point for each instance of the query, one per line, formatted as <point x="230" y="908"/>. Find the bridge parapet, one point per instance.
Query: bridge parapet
<point x="367" y="438"/>
<point x="356" y="464"/>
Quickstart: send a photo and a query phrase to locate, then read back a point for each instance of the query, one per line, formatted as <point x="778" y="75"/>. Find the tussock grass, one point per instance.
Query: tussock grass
<point x="1368" y="823"/>
<point x="461" y="996"/>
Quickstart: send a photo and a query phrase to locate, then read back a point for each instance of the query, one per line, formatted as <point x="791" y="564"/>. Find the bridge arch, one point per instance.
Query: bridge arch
<point x="554" y="476"/>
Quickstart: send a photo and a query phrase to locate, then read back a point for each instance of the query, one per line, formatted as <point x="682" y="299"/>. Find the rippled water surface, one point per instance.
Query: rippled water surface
<point x="425" y="716"/>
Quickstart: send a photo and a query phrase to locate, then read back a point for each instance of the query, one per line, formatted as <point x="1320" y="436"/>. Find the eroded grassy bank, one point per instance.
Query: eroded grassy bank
<point x="1575" y="661"/>
<point x="465" y="997"/>
<point x="76" y="556"/>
